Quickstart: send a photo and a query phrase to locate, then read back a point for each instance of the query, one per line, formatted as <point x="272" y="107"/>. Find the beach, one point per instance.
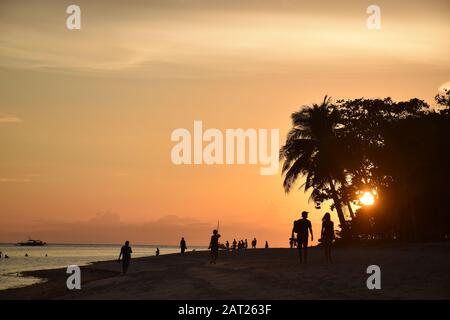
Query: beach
<point x="408" y="271"/>
<point x="54" y="256"/>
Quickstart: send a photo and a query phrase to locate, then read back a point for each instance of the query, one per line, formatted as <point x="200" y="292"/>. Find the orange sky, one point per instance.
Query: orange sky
<point x="86" y="115"/>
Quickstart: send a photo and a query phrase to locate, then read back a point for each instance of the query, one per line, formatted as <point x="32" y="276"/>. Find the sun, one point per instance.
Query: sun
<point x="367" y="199"/>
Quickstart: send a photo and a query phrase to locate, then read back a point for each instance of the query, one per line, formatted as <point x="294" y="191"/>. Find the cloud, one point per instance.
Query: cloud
<point x="8" y="118"/>
<point x="15" y="180"/>
<point x="105" y="218"/>
<point x="21" y="178"/>
<point x="173" y="42"/>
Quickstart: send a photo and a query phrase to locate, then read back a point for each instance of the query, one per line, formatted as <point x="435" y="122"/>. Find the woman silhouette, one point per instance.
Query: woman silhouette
<point x="327" y="235"/>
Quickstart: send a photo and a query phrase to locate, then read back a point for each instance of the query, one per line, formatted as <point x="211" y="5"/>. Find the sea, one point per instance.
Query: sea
<point x="52" y="256"/>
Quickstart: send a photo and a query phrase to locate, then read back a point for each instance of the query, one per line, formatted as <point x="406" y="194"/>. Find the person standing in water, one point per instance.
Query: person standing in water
<point x="183" y="246"/>
<point x="125" y="253"/>
<point x="327" y="235"/>
<point x="214" y="246"/>
<point x="301" y="227"/>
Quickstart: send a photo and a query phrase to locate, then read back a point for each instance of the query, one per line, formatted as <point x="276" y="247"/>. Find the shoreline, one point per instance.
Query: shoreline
<point x="409" y="271"/>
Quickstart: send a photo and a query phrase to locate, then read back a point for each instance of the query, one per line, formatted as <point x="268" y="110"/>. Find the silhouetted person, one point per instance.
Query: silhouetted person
<point x="183" y="246"/>
<point x="125" y="253"/>
<point x="245" y="244"/>
<point x="214" y="246"/>
<point x="267" y="245"/>
<point x="234" y="244"/>
<point x="254" y="243"/>
<point x="227" y="245"/>
<point x="6" y="256"/>
<point x="0" y="254"/>
<point x="301" y="227"/>
<point x="327" y="235"/>
<point x="157" y="251"/>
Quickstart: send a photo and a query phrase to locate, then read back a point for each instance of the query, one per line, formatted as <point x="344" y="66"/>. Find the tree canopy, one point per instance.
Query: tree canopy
<point x="398" y="151"/>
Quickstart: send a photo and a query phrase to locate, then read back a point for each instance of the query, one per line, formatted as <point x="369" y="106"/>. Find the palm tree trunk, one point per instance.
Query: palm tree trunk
<point x="340" y="212"/>
<point x="350" y="209"/>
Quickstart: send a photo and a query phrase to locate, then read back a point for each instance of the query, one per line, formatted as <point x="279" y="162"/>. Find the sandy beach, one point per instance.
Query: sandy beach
<point x="413" y="271"/>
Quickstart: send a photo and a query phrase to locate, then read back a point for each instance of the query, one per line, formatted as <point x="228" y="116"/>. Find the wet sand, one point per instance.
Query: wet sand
<point x="408" y="271"/>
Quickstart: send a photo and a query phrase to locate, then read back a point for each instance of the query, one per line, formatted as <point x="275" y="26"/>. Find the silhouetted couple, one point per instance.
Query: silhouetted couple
<point x="125" y="253"/>
<point x="303" y="229"/>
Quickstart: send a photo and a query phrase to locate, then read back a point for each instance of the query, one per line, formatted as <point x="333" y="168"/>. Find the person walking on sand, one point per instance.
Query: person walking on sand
<point x="183" y="246"/>
<point x="301" y="227"/>
<point x="214" y="246"/>
<point x="254" y="243"/>
<point x="327" y="235"/>
<point x="157" y="251"/>
<point x="125" y="253"/>
<point x="267" y="245"/>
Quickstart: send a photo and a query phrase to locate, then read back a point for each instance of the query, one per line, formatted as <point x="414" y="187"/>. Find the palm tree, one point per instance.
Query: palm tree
<point x="312" y="150"/>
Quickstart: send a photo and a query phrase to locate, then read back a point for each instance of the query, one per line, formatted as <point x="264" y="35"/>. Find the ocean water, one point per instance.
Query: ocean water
<point x="60" y="256"/>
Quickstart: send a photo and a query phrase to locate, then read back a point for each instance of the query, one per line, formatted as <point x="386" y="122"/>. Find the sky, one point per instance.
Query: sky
<point x="86" y="115"/>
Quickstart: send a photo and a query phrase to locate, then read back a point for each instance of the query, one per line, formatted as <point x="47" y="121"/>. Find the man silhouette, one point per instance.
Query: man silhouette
<point x="301" y="227"/>
<point x="125" y="254"/>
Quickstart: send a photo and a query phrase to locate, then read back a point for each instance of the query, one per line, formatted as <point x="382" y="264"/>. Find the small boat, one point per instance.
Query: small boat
<point x="32" y="243"/>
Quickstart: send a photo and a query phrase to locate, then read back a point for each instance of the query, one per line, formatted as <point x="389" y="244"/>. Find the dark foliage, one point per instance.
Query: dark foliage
<point x="399" y="151"/>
